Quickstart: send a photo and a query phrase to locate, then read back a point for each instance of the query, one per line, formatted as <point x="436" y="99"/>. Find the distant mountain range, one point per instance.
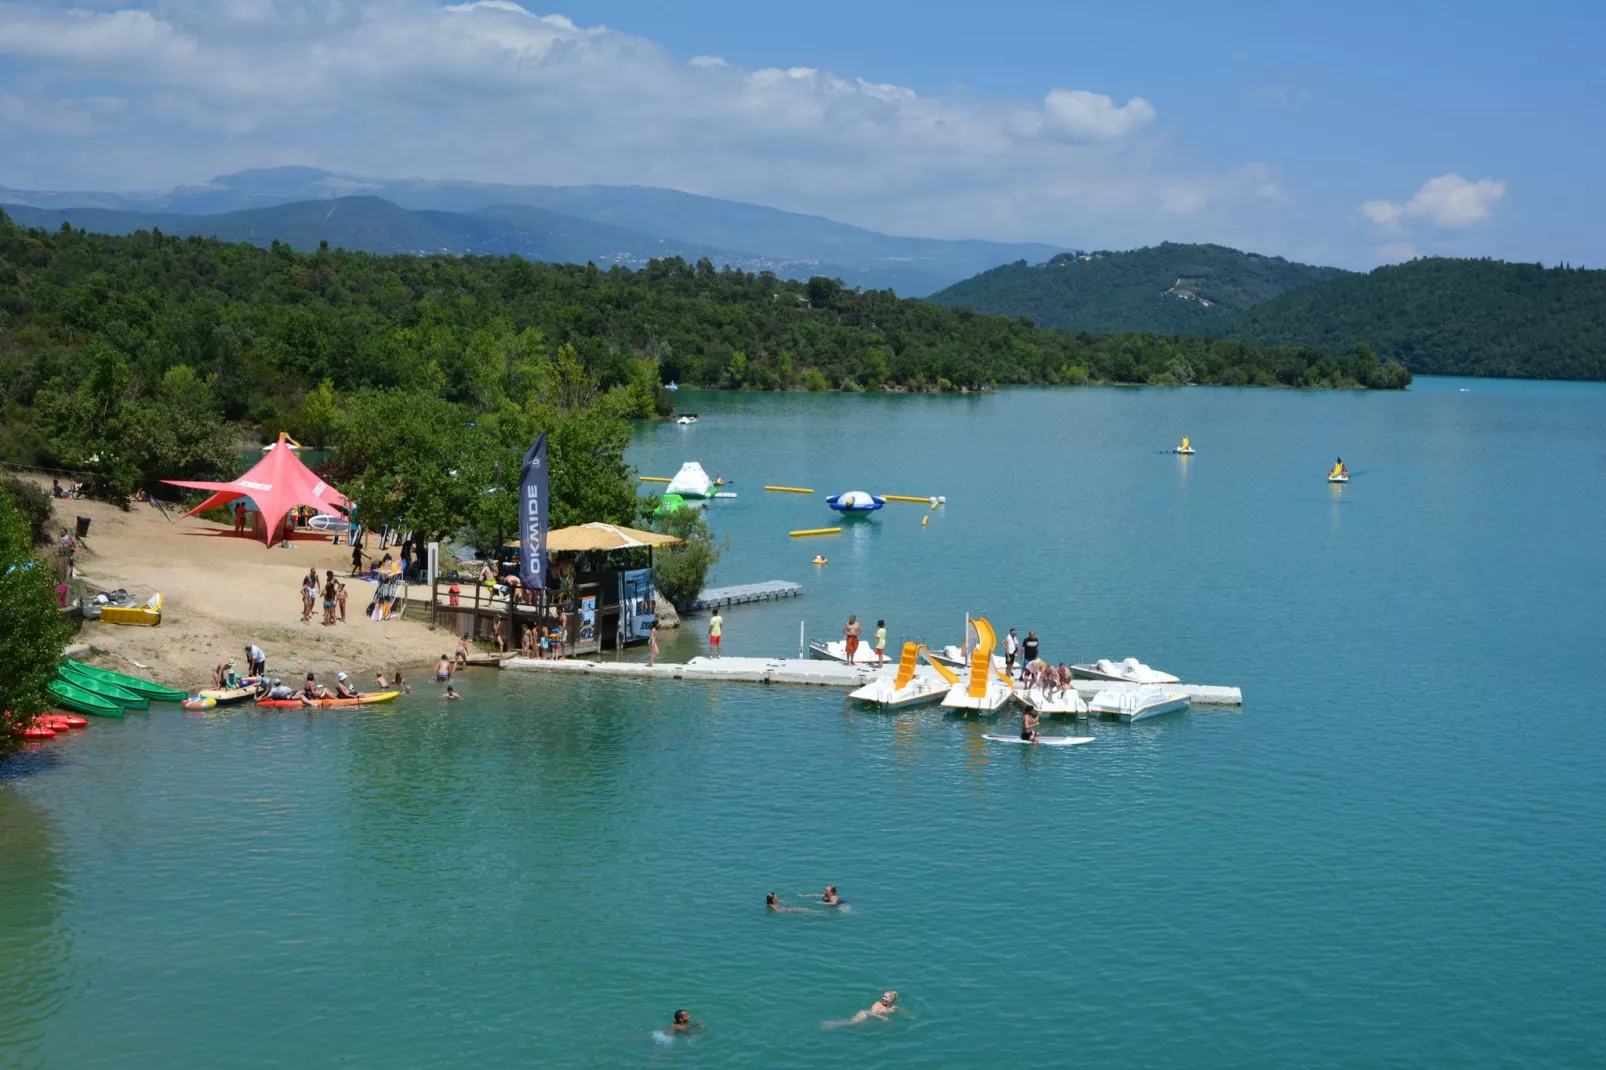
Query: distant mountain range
<point x="1169" y="287"/>
<point x="626" y="225"/>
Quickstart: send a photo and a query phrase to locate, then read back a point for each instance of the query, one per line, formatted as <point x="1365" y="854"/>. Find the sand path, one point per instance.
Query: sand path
<point x="221" y="591"/>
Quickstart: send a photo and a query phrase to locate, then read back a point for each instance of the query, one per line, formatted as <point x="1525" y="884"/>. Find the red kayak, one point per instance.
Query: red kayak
<point x="366" y="699"/>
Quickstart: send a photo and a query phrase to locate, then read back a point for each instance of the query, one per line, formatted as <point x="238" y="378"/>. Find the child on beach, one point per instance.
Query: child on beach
<point x="340" y="599"/>
<point x="462" y="651"/>
<point x="652" y="644"/>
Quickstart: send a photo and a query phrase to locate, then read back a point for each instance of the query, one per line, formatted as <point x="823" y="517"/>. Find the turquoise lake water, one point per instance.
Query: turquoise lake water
<point x="1393" y="855"/>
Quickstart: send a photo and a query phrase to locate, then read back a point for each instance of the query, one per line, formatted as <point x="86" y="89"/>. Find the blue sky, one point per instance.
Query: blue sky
<point x="1353" y="134"/>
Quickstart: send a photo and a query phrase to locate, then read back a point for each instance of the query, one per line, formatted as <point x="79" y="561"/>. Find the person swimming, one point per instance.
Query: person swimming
<point x="831" y="899"/>
<point x="881" y="1008"/>
<point x="451" y="692"/>
<point x="683" y="1025"/>
<point x="773" y="902"/>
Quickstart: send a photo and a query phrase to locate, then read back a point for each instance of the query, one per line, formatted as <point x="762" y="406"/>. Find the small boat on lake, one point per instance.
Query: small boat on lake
<point x="72" y="697"/>
<point x="1185" y="447"/>
<point x="153" y="691"/>
<point x="1129" y="670"/>
<point x="687" y="418"/>
<point x="1063" y="701"/>
<point x="908" y="686"/>
<point x="1137" y="703"/>
<point x="837" y="650"/>
<point x="984" y="687"/>
<point x="1338" y="473"/>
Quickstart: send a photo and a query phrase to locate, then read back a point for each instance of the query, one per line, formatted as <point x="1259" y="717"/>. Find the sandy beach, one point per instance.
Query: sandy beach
<point x="221" y="591"/>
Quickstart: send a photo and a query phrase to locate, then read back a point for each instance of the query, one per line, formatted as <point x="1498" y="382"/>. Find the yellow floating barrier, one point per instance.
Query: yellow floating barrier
<point x="653" y="479"/>
<point x="904" y="498"/>
<point x="815" y="531"/>
<point x="791" y="490"/>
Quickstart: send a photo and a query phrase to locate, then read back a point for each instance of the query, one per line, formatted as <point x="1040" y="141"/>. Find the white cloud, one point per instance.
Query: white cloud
<point x="1449" y="201"/>
<point x="1079" y="115"/>
<point x="1452" y="201"/>
<point x="491" y="91"/>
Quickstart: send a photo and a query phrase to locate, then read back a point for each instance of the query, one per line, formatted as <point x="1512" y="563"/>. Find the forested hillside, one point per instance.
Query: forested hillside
<point x="1167" y="287"/>
<point x="131" y="355"/>
<point x="1448" y="317"/>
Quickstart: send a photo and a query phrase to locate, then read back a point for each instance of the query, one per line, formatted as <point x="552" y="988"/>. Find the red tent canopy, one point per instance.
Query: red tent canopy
<point x="277" y="483"/>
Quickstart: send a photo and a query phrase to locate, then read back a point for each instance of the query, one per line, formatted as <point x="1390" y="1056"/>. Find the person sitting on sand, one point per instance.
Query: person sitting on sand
<point x="55" y="489"/>
<point x="683" y="1025"/>
<point x="342" y="688"/>
<point x="451" y="692"/>
<point x="443" y="669"/>
<point x="881" y="1008"/>
<point x="773" y="902"/>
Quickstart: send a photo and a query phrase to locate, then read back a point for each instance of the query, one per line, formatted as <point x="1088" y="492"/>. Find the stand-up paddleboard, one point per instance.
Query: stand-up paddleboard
<point x="1044" y="741"/>
<point x="327" y="522"/>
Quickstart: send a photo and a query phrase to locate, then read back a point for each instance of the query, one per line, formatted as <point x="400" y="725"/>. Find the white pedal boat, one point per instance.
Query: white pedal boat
<point x="1127" y="671"/>
<point x="1137" y="703"/>
<point x="1063" y="700"/>
<point x="924" y="689"/>
<point x="837" y="650"/>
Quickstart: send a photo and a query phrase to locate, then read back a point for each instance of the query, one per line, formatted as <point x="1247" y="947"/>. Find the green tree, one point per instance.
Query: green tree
<point x="178" y="432"/>
<point x="318" y="419"/>
<point x="681" y="571"/>
<point x="32" y="628"/>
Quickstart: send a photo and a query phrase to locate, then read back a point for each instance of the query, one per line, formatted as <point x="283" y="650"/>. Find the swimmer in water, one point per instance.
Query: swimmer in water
<point x="830" y="898"/>
<point x="881" y="1008"/>
<point x="773" y="902"/>
<point x="684" y="1026"/>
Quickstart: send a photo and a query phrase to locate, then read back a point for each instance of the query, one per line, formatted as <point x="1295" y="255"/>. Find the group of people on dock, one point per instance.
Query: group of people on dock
<point x="853" y="631"/>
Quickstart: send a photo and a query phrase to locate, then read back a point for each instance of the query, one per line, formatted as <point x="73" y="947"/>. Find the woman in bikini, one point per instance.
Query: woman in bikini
<point x="881" y="1008"/>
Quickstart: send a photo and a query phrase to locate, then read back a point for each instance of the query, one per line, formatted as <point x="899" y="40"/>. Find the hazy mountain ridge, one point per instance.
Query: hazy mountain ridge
<point x="650" y="221"/>
<point x="1169" y="287"/>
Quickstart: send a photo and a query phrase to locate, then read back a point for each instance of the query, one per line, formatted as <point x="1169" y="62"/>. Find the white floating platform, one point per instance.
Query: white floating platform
<point x="737" y="670"/>
<point x="1198" y="694"/>
<point x="815" y="672"/>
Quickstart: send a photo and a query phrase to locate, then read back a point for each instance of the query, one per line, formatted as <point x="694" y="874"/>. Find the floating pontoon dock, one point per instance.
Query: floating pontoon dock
<point x="743" y="593"/>
<point x="812" y="671"/>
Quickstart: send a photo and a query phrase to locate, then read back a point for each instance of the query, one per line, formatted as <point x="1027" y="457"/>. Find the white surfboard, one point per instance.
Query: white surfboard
<point x="1045" y="741"/>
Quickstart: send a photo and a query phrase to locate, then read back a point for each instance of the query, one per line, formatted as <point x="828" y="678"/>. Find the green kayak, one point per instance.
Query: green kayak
<point x="105" y="689"/>
<point x="76" y="698"/>
<point x="155" y="692"/>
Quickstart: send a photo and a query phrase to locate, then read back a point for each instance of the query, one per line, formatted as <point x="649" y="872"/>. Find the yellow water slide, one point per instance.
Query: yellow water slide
<point x="981" y="658"/>
<point x="942" y="670"/>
